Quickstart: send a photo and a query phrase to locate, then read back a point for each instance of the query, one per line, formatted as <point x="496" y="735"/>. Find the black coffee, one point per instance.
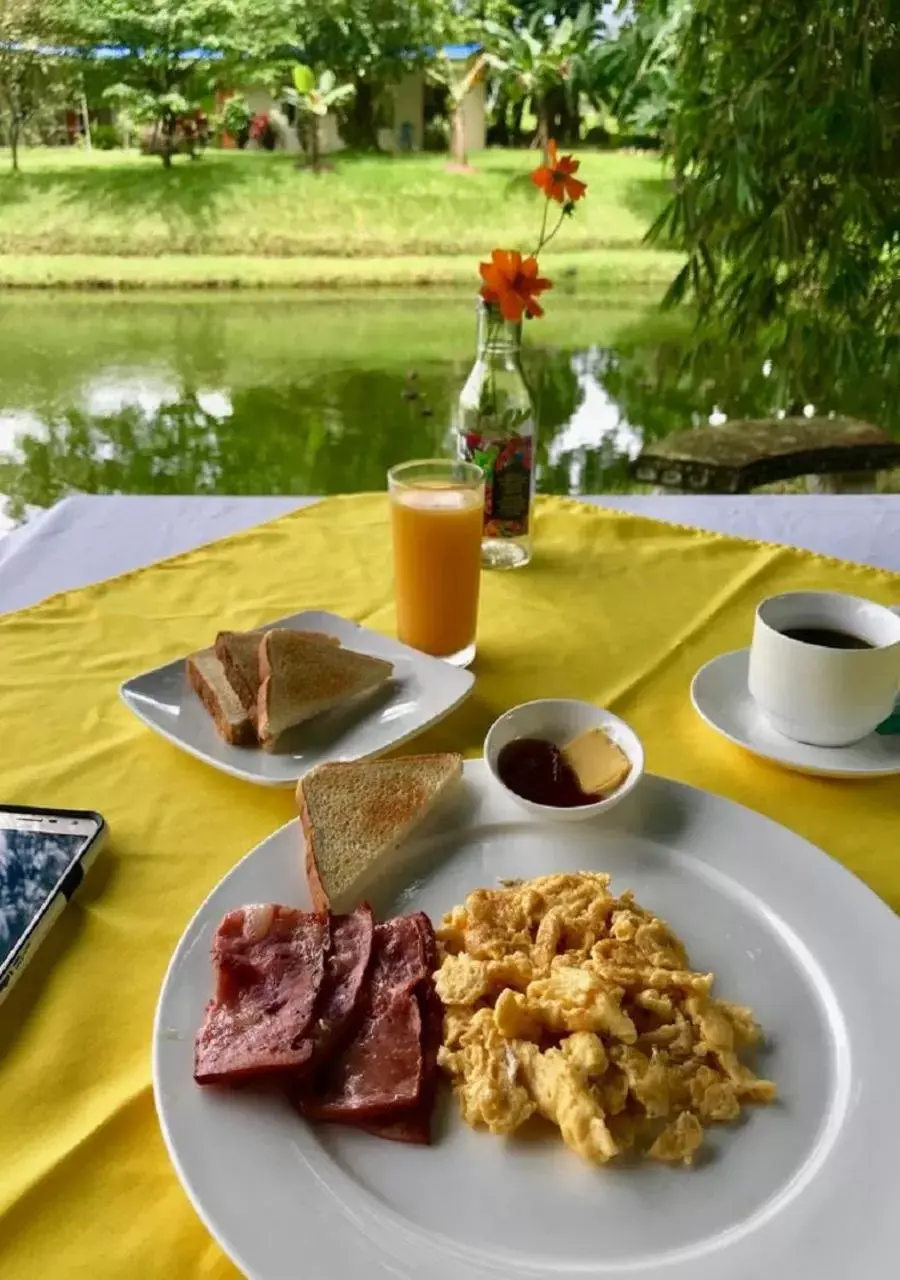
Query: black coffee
<point x="827" y="638"/>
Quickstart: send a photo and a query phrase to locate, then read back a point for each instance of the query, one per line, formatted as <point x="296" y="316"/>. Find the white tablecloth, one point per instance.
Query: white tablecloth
<point x="86" y="538"/>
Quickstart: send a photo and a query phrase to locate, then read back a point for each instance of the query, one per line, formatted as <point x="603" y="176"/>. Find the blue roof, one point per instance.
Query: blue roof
<point x="121" y="51"/>
<point x="112" y="52"/>
<point x="105" y="52"/>
<point x="459" y="52"/>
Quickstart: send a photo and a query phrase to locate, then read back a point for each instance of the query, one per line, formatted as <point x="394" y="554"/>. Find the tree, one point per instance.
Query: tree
<point x="30" y="78"/>
<point x="368" y="43"/>
<point x="175" y="51"/>
<point x="638" y="64"/>
<point x="443" y="72"/>
<point x="373" y="42"/>
<point x="313" y="97"/>
<point x="540" y="60"/>
<point x="786" y="155"/>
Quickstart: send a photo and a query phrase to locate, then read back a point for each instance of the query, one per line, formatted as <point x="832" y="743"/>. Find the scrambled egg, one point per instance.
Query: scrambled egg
<point x="564" y="1001"/>
<point x="487" y="1067"/>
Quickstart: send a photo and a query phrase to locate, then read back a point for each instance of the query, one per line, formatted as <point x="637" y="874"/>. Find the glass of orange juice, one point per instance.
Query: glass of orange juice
<point x="437" y="510"/>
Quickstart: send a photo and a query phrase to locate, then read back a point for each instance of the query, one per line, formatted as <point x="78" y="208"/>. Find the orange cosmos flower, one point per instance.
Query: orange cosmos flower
<point x="513" y="283"/>
<point x="556" y="179"/>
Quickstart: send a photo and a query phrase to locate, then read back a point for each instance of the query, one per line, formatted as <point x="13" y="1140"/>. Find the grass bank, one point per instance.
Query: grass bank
<point x="601" y="269"/>
<point x="117" y="219"/>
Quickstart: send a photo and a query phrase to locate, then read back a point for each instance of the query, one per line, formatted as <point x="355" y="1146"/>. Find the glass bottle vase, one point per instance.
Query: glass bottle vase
<point x="495" y="428"/>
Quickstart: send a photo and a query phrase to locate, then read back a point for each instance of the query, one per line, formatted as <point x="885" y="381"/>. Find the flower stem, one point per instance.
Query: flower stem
<point x="541" y="241"/>
<point x="493" y="328"/>
<point x="546" y="239"/>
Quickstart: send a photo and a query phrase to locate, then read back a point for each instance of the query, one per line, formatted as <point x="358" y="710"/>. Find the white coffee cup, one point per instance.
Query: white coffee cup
<point x="829" y="697"/>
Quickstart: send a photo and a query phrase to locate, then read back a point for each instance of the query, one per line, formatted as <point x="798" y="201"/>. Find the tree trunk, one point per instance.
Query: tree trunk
<point x="571" y="122"/>
<point x="169" y="129"/>
<point x="308" y="134"/>
<point x="542" y="137"/>
<point x="86" y="118"/>
<point x="517" y="112"/>
<point x="458" y="136"/>
<point x="500" y="129"/>
<point x="359" y="124"/>
<point x="314" y="143"/>
<point x="14" y="144"/>
<point x="562" y="116"/>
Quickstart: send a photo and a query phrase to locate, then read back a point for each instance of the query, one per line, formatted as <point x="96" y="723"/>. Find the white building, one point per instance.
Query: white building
<point x="403" y="106"/>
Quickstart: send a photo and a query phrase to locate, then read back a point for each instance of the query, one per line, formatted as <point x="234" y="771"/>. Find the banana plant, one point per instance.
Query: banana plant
<point x="313" y="96"/>
<point x="444" y="72"/>
<point x="639" y="66"/>
<point x="535" y="59"/>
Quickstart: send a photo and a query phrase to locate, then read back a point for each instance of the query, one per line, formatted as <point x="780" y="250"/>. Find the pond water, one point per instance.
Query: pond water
<point x="261" y="394"/>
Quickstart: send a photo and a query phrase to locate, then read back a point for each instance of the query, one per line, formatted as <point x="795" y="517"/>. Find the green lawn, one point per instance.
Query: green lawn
<point x="601" y="269"/>
<point x="371" y="220"/>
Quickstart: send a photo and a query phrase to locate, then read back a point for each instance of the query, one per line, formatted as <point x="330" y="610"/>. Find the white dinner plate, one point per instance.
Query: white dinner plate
<point x="721" y="697"/>
<point x="802" y="1188"/>
<point x="421" y="691"/>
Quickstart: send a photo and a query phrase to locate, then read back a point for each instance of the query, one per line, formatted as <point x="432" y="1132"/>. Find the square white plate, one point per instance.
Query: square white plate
<point x="421" y="691"/>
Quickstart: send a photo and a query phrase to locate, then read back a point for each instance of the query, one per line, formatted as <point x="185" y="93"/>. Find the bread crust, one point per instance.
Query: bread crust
<point x="238" y="735"/>
<point x="320" y="899"/>
<point x="234" y="675"/>
<point x="261" y="717"/>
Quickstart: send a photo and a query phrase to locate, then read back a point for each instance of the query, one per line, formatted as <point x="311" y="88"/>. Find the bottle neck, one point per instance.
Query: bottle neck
<point x="496" y="336"/>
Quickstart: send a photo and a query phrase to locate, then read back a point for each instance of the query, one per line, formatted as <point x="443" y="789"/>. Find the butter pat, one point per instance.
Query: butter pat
<point x="599" y="764"/>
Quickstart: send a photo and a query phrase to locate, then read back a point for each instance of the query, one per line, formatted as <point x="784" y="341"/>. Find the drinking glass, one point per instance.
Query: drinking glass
<point x="437" y="509"/>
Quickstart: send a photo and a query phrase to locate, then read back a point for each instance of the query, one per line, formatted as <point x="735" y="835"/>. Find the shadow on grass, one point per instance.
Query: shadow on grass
<point x="14" y="188"/>
<point x="647" y="197"/>
<point x="520" y="184"/>
<point x="186" y="197"/>
<point x="514" y="179"/>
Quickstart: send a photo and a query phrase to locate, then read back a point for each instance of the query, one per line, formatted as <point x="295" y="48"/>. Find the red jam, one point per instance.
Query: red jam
<point x="537" y="771"/>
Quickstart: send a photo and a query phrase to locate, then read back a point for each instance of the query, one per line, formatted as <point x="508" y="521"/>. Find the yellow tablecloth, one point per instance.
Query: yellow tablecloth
<point x="615" y="608"/>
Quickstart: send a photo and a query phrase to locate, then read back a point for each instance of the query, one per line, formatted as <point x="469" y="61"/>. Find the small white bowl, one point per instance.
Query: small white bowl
<point x="559" y="720"/>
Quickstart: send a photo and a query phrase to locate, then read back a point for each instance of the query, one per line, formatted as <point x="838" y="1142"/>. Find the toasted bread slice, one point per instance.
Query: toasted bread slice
<point x="357" y="813"/>
<point x="207" y="677"/>
<point x="301" y="677"/>
<point x="238" y="652"/>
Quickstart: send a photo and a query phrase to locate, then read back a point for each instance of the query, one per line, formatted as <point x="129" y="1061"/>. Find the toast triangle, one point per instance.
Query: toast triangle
<point x="238" y="652"/>
<point x="353" y="814"/>
<point x="300" y="678"/>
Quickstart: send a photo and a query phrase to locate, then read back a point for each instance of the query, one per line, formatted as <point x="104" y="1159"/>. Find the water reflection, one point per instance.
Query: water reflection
<point x="304" y="396"/>
<point x="596" y="432"/>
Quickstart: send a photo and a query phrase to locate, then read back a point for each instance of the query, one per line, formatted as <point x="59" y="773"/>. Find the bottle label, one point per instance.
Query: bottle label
<point x="507" y="464"/>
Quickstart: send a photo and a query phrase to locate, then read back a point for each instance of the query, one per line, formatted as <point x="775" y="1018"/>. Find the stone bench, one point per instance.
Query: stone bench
<point x="747" y="453"/>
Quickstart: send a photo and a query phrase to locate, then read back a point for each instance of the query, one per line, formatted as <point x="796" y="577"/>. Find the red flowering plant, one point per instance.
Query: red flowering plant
<point x="511" y="283"/>
<point x="495" y="416"/>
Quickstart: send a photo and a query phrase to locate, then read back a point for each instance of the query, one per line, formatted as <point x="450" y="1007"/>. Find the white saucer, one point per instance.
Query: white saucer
<point x="720" y="696"/>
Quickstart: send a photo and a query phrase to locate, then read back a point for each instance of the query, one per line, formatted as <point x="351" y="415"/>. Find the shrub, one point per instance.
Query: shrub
<point x="262" y="131"/>
<point x="235" y="118"/>
<point x="105" y="137"/>
<point x="436" y="135"/>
